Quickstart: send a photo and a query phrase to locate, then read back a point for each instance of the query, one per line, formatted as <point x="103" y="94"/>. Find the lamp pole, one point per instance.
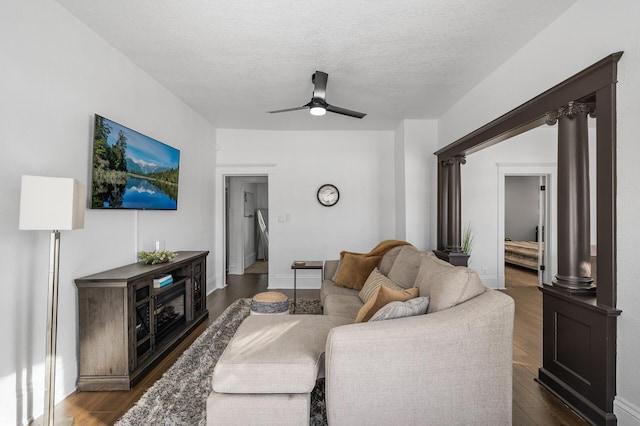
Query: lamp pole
<point x="52" y="329"/>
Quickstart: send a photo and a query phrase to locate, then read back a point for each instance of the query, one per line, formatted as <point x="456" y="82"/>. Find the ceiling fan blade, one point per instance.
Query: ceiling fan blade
<point x="345" y="111"/>
<point x="320" y="85"/>
<point x="289" y="109"/>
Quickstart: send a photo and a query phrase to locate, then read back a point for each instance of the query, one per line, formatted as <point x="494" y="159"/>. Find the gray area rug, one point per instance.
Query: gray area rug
<point x="179" y="397"/>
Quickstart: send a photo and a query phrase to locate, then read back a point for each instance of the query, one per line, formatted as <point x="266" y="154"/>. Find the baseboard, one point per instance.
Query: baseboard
<point x="30" y="401"/>
<point x="574" y="400"/>
<point x="490" y="281"/>
<point x="235" y="269"/>
<point x="212" y="285"/>
<point x="250" y="259"/>
<point x="501" y="282"/>
<point x="69" y="375"/>
<point x="286" y="281"/>
<point x="627" y="413"/>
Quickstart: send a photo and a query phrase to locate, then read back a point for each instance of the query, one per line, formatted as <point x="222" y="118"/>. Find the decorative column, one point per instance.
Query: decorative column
<point x="450" y="209"/>
<point x="454" y="201"/>
<point x="574" y="238"/>
<point x="443" y="190"/>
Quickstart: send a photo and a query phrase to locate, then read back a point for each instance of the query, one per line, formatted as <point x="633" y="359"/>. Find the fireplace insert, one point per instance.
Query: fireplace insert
<point x="169" y="311"/>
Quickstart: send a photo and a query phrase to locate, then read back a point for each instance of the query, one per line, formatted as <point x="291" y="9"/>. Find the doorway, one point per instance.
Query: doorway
<point x="246" y="218"/>
<point x="525" y="232"/>
<point x="525" y="224"/>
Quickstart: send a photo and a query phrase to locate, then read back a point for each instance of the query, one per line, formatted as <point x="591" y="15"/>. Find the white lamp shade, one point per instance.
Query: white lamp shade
<point x="49" y="203"/>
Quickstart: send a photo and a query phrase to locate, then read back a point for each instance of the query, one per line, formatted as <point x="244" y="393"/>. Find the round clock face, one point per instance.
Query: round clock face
<point x="328" y="195"/>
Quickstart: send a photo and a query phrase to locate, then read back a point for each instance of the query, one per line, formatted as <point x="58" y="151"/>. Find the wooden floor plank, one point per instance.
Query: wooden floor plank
<point x="532" y="404"/>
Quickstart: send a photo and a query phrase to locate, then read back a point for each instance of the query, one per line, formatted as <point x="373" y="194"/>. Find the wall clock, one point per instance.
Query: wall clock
<point x="328" y="195"/>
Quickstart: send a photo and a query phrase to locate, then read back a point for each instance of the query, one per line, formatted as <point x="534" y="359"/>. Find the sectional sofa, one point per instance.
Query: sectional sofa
<point x="393" y="364"/>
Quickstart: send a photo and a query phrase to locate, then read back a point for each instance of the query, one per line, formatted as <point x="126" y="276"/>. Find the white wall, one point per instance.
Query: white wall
<point x="400" y="183"/>
<point x="297" y="163"/>
<point x="521" y="207"/>
<point x="551" y="57"/>
<point x="416" y="178"/>
<point x="481" y="206"/>
<point x="54" y="75"/>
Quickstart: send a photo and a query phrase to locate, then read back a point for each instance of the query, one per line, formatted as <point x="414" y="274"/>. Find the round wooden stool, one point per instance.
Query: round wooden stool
<point x="270" y="303"/>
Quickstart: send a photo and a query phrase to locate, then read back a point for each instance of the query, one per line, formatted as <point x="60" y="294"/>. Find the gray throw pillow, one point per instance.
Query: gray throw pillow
<point x="412" y="307"/>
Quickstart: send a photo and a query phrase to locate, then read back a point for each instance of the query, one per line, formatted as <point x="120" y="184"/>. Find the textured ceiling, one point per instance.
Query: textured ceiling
<point x="394" y="59"/>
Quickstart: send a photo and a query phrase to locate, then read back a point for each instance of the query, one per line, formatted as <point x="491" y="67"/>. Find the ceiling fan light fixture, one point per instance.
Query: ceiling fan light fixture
<point x="318" y="105"/>
<point x="317" y="110"/>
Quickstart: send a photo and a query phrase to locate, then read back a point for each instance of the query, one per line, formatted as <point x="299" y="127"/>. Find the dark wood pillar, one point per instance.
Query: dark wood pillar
<point x="579" y="327"/>
<point x="574" y="225"/>
<point x="443" y="190"/>
<point x="454" y="201"/>
<point x="450" y="195"/>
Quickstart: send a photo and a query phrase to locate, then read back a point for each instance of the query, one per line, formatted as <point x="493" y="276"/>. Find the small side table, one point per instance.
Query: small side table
<point x="305" y="264"/>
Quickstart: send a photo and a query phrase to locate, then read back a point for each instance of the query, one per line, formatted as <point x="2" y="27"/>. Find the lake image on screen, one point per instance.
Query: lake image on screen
<point x="131" y="170"/>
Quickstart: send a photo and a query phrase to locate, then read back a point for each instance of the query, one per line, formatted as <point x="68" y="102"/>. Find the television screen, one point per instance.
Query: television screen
<point x="131" y="170"/>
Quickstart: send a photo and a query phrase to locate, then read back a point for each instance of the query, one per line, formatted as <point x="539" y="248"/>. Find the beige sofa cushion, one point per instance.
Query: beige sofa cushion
<point x="405" y="268"/>
<point x="446" y="285"/>
<point x="388" y="259"/>
<point x="274" y="354"/>
<point x="375" y="280"/>
<point x="354" y="270"/>
<point x="341" y="305"/>
<point x="382" y="297"/>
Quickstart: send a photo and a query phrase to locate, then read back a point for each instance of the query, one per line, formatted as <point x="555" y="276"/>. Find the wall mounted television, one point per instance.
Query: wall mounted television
<point x="131" y="170"/>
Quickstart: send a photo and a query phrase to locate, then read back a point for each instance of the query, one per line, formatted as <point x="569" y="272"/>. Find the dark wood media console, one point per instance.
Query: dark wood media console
<point x="126" y="325"/>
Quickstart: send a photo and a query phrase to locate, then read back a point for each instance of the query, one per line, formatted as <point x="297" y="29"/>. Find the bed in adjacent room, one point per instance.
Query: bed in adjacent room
<point x="522" y="253"/>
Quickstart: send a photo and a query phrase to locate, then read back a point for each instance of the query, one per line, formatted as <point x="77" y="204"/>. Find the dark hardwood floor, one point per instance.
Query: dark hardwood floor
<point x="532" y="405"/>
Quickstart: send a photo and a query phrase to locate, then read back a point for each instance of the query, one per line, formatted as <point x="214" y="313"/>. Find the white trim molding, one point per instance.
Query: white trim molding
<point x="627" y="413"/>
<point x="222" y="171"/>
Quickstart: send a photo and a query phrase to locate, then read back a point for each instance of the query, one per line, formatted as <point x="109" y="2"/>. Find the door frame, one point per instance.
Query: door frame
<point x="219" y="255"/>
<point x="529" y="169"/>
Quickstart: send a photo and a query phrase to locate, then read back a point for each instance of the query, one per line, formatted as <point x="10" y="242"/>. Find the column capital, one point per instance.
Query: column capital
<point x="461" y="159"/>
<point x="571" y="110"/>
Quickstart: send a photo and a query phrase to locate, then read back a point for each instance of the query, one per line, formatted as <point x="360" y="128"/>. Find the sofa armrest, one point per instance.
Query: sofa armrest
<point x="449" y="367"/>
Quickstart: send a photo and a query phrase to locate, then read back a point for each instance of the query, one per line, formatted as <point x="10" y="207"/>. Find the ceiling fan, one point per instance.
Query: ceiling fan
<point x="318" y="104"/>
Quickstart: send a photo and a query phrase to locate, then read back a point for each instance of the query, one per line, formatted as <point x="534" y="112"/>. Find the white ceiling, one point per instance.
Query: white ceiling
<point x="233" y="60"/>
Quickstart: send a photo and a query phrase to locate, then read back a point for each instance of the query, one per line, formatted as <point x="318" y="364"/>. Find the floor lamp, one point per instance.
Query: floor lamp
<point x="55" y="204"/>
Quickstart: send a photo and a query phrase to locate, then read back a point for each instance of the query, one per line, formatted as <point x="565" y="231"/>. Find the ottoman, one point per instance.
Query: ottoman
<point x="267" y="372"/>
<point x="270" y="303"/>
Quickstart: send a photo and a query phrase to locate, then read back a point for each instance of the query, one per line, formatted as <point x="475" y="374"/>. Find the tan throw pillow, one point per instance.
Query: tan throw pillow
<point x="383" y="296"/>
<point x="447" y="285"/>
<point x="375" y="280"/>
<point x="355" y="269"/>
